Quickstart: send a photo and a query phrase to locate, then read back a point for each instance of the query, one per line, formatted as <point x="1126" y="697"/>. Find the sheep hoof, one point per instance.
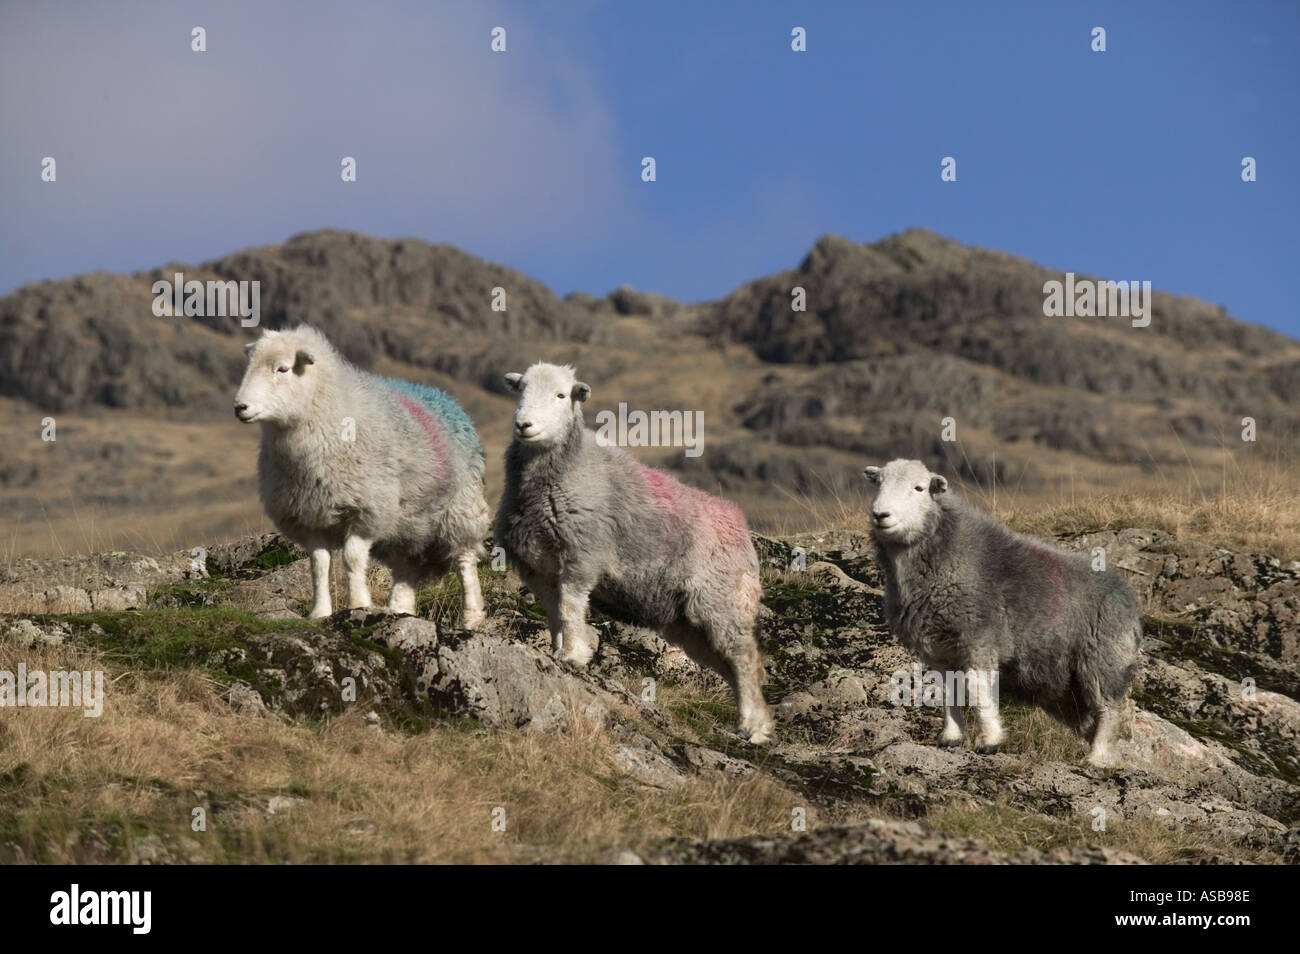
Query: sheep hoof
<point x="953" y="743"/>
<point x="758" y="736"/>
<point x="577" y="658"/>
<point x="986" y="749"/>
<point x="319" y="614"/>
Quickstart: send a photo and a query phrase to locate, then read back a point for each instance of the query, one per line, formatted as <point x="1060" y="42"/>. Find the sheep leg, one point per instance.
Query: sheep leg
<point x="734" y="640"/>
<point x="1109" y="721"/>
<point x="735" y="658"/>
<point x="549" y="596"/>
<point x="747" y="683"/>
<point x="471" y="591"/>
<point x="986" y="703"/>
<point x="954" y="720"/>
<point x="320" y="584"/>
<point x="405" y="580"/>
<point x="578" y="640"/>
<point x="356" y="559"/>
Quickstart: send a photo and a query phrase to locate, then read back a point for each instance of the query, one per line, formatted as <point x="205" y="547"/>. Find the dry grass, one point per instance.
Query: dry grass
<point x="76" y="789"/>
<point x="1034" y="735"/>
<point x="1250" y="507"/>
<point x="120" y="787"/>
<point x="1248" y="504"/>
<point x="1256" y="519"/>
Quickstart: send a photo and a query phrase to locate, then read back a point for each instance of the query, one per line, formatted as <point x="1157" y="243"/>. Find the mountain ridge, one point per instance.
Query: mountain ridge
<point x="898" y="336"/>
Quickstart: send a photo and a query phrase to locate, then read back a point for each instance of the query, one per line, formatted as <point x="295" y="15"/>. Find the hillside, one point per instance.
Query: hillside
<point x="897" y="335"/>
<point x="225" y="700"/>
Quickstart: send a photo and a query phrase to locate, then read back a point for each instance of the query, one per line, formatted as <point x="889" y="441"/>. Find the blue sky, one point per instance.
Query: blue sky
<point x="1124" y="164"/>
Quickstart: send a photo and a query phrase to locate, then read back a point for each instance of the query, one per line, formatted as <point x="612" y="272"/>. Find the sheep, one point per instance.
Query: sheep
<point x="374" y="466"/>
<point x="586" y="524"/>
<point x="970" y="596"/>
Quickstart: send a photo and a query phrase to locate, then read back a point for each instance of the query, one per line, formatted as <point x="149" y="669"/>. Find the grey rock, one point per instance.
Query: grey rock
<point x="878" y="841"/>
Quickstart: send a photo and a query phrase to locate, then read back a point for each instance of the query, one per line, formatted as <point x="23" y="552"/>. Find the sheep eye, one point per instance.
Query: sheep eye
<point x="920" y="489"/>
<point x="283" y="369"/>
<point x="560" y="396"/>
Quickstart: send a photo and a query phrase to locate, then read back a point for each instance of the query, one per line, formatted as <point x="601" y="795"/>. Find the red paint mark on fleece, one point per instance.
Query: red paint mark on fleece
<point x="720" y="518"/>
<point x="729" y="522"/>
<point x="662" y="486"/>
<point x="426" y="421"/>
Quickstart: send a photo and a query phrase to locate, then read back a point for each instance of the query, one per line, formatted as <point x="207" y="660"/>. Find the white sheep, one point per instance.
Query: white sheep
<point x="585" y="523"/>
<point x="973" y="598"/>
<point x="370" y="465"/>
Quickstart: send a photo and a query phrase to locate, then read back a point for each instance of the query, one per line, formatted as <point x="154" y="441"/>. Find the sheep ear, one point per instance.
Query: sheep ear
<point x="513" y="379"/>
<point x="248" y="348"/>
<point x="301" y="360"/>
<point x="872" y="474"/>
<point x="938" y="485"/>
<point x="580" y="391"/>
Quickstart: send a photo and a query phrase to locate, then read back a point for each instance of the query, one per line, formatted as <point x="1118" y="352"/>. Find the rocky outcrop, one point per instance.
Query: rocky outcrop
<point x="114" y="581"/>
<point x="878" y="842"/>
<point x="327" y="278"/>
<point x="1214" y="753"/>
<point x="1234" y="602"/>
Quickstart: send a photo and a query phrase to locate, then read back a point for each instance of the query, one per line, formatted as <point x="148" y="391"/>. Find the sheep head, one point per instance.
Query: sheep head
<point x="549" y="404"/>
<point x="280" y="378"/>
<point x="905" y="502"/>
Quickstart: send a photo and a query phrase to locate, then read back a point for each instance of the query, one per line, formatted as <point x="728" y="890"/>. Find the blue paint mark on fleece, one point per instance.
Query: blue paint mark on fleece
<point x="455" y="422"/>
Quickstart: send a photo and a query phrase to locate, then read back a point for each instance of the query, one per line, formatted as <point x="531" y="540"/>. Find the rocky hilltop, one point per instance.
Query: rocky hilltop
<point x="896" y="336"/>
<point x="1211" y="774"/>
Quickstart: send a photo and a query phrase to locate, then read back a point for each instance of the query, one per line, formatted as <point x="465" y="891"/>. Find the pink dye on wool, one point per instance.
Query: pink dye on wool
<point x="426" y="421"/>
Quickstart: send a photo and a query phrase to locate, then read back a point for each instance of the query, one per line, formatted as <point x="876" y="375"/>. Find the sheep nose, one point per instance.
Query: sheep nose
<point x="522" y="426"/>
<point x="240" y="409"/>
<point x="880" y="514"/>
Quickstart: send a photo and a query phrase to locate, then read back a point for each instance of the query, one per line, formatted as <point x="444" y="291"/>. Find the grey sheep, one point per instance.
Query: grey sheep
<point x="585" y="523"/>
<point x="970" y="596"/>
<point x="370" y="465"/>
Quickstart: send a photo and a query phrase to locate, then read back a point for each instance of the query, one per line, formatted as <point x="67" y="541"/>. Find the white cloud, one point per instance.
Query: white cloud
<point x="167" y="154"/>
